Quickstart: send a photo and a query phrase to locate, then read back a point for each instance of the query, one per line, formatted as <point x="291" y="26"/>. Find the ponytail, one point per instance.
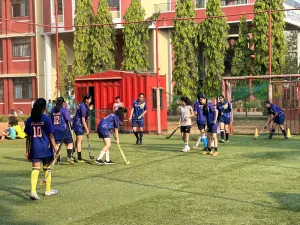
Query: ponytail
<point x="186" y="100"/>
<point x="37" y="110"/>
<point x="59" y="103"/>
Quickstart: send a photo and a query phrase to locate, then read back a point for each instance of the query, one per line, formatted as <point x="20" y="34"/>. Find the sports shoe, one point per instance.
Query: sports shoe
<point x="141" y="143"/>
<point x="74" y="159"/>
<point x="195" y="147"/>
<point x="34" y="196"/>
<point x="100" y="162"/>
<point x="52" y="192"/>
<point x="70" y="160"/>
<point x="186" y="148"/>
<point x="227" y="141"/>
<point x="81" y="160"/>
<point x="137" y="141"/>
<point x="109" y="162"/>
<point x="222" y="141"/>
<point x="57" y="162"/>
<point x="215" y="154"/>
<point x="206" y="153"/>
<point x="285" y="138"/>
<point x="270" y="137"/>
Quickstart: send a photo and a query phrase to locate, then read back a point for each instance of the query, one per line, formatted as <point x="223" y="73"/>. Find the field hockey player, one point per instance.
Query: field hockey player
<point x="224" y="108"/>
<point x="40" y="146"/>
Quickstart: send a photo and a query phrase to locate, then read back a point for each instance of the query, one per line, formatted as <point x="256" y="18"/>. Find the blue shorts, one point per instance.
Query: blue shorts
<point x="212" y="128"/>
<point x="201" y="126"/>
<point x="103" y="133"/>
<point x="279" y="120"/>
<point x="66" y="141"/>
<point x="224" y="120"/>
<point x="137" y="123"/>
<point x="46" y="160"/>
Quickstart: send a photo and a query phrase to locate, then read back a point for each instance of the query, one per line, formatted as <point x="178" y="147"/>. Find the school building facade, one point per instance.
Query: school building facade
<point x="28" y="52"/>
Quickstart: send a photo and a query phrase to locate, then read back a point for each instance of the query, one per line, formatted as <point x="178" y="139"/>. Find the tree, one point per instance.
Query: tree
<point x="278" y="38"/>
<point x="241" y="62"/>
<point x="260" y="37"/>
<point x="291" y="61"/>
<point x="213" y="33"/>
<point x="103" y="40"/>
<point x="66" y="79"/>
<point x="135" y="50"/>
<point x="82" y="47"/>
<point x="184" y="41"/>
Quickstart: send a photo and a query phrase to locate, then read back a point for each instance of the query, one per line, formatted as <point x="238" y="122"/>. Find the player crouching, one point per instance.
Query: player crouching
<point x="109" y="124"/>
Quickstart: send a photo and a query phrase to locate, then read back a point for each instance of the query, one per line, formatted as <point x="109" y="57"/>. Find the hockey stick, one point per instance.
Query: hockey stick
<point x="52" y="163"/>
<point x="89" y="147"/>
<point x="168" y="137"/>
<point x="120" y="149"/>
<point x="254" y="138"/>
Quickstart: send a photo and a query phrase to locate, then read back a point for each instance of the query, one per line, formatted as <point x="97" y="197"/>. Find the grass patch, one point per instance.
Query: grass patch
<point x="250" y="182"/>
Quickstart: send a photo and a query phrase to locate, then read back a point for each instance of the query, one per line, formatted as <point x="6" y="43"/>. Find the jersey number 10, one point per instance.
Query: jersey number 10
<point x="37" y="131"/>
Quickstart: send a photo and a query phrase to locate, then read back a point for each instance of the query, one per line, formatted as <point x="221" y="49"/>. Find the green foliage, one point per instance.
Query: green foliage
<point x="291" y="61"/>
<point x="135" y="50"/>
<point x="21" y="118"/>
<point x="66" y="78"/>
<point x="82" y="47"/>
<point x="213" y="33"/>
<point x="184" y="41"/>
<point x="103" y="40"/>
<point x="241" y="62"/>
<point x="260" y="37"/>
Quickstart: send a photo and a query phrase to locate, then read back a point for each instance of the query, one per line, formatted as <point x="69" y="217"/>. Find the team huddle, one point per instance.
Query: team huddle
<point x="46" y="134"/>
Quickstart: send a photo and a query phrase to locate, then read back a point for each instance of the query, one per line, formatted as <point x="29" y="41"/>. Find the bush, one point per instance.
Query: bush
<point x="3" y="119"/>
<point x="21" y="118"/>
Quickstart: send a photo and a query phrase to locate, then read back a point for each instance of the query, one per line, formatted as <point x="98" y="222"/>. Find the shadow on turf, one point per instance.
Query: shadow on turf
<point x="15" y="159"/>
<point x="288" y="201"/>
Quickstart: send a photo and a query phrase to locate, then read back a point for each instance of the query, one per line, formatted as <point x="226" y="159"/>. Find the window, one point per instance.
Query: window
<point x="113" y="3"/>
<point x="21" y="47"/>
<point x="1" y="89"/>
<point x="60" y="11"/>
<point x="22" y="88"/>
<point x="1" y="54"/>
<point x="0" y="9"/>
<point x="200" y="3"/>
<point x="154" y="98"/>
<point x="20" y="8"/>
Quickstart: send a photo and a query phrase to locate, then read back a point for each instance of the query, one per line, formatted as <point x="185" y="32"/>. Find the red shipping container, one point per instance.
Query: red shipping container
<point x="105" y="86"/>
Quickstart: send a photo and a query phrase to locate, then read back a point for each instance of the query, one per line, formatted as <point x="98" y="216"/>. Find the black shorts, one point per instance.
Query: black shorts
<point x="185" y="129"/>
<point x="46" y="160"/>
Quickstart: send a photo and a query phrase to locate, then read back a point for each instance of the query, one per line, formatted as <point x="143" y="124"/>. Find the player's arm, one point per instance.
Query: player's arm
<point x="27" y="148"/>
<point x="85" y="125"/>
<point x="113" y="108"/>
<point x="52" y="143"/>
<point x="131" y="113"/>
<point x="216" y="116"/>
<point x="117" y="135"/>
<point x="141" y="116"/>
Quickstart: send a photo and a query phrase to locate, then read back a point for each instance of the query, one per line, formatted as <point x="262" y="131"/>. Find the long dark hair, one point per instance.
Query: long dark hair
<point x="205" y="106"/>
<point x="186" y="100"/>
<point x="59" y="103"/>
<point x="86" y="97"/>
<point x="37" y="110"/>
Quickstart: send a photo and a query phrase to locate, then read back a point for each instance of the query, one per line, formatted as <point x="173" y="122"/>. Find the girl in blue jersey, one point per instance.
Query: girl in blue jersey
<point x="211" y="115"/>
<point x="138" y="111"/>
<point x="107" y="125"/>
<point x="201" y="122"/>
<point x="277" y="116"/>
<point x="80" y="122"/>
<point x="62" y="127"/>
<point x="224" y="108"/>
<point x="40" y="146"/>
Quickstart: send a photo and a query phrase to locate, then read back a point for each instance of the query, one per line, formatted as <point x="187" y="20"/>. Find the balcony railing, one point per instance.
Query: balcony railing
<point x="200" y="4"/>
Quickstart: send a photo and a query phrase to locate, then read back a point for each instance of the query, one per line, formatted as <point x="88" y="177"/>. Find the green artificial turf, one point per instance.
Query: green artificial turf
<point x="250" y="182"/>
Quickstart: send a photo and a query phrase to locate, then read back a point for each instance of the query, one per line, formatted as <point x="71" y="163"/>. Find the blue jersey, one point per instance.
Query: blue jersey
<point x="109" y="123"/>
<point x="274" y="109"/>
<point x="198" y="108"/>
<point x="60" y="120"/>
<point x="209" y="112"/>
<point x="82" y="111"/>
<point x="224" y="111"/>
<point x="139" y="109"/>
<point x="12" y="133"/>
<point x="39" y="137"/>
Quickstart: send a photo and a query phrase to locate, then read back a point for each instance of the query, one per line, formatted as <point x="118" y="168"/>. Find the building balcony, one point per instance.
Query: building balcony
<point x="200" y="4"/>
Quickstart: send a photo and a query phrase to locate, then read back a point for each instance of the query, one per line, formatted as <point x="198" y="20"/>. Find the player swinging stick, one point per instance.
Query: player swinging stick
<point x="224" y="108"/>
<point x="61" y="121"/>
<point x="276" y="114"/>
<point x="138" y="111"/>
<point x="211" y="115"/>
<point x="40" y="145"/>
<point x="107" y="125"/>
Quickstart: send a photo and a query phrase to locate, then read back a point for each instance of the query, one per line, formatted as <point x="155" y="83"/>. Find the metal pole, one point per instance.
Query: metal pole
<point x="270" y="55"/>
<point x="157" y="82"/>
<point x="56" y="48"/>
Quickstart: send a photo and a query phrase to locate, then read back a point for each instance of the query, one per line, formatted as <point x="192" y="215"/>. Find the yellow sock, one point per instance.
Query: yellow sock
<point x="48" y="181"/>
<point x="34" y="178"/>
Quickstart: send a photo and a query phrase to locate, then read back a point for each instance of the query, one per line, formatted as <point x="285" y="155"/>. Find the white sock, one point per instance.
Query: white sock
<point x="107" y="157"/>
<point x="101" y="155"/>
<point x="186" y="143"/>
